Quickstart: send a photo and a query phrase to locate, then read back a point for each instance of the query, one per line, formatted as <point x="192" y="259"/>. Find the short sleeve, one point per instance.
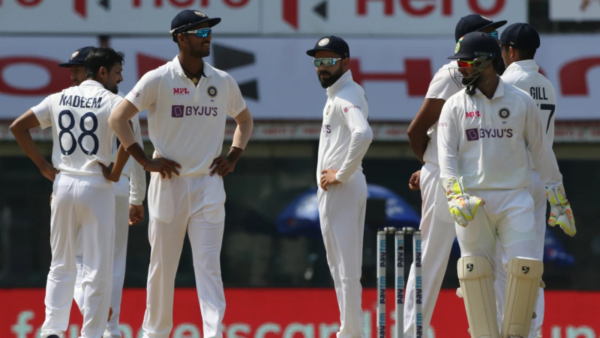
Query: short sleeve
<point x="235" y="103"/>
<point x="144" y="93"/>
<point x="442" y="85"/>
<point x="43" y="112"/>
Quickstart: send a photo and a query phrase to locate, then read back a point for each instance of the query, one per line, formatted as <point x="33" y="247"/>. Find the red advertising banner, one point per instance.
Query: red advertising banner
<point x="364" y="17"/>
<point x="292" y="313"/>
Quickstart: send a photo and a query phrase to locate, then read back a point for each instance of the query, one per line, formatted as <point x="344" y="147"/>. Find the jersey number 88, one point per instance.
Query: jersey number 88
<point x="85" y="132"/>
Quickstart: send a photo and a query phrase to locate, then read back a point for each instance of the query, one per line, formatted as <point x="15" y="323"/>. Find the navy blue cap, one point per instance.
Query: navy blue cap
<point x="77" y="58"/>
<point x="187" y="19"/>
<point x="521" y="36"/>
<point x="333" y="44"/>
<point x="474" y="23"/>
<point x="474" y="45"/>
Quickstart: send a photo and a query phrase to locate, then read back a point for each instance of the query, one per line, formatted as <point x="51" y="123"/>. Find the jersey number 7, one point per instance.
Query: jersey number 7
<point x="551" y="108"/>
<point x="84" y="132"/>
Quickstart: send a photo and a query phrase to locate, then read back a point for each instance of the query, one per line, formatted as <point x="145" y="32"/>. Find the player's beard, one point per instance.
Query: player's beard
<point x="113" y="89"/>
<point x="333" y="77"/>
<point x="199" y="51"/>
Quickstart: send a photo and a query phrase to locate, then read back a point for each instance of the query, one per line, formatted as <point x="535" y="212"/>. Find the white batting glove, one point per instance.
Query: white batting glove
<point x="560" y="209"/>
<point x="463" y="206"/>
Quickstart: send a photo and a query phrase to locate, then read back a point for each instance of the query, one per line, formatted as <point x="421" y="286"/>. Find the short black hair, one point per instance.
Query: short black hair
<point x="525" y="54"/>
<point x="101" y="57"/>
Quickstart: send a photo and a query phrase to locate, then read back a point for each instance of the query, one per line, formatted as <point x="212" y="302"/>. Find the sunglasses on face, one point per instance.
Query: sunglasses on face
<point x="200" y="33"/>
<point x="465" y="64"/>
<point x="327" y="62"/>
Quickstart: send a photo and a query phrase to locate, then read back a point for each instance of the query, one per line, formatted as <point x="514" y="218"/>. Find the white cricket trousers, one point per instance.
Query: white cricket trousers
<point x="196" y="205"/>
<point x="83" y="204"/>
<point x="506" y="217"/>
<point x="437" y="237"/>
<point x="119" y="262"/>
<point x="342" y="215"/>
<point x="537" y="190"/>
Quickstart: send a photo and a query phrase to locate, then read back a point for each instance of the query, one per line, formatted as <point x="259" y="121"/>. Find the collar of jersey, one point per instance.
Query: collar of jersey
<point x="92" y="83"/>
<point x="207" y="71"/>
<point x="499" y="90"/>
<point x="347" y="77"/>
<point x="526" y="66"/>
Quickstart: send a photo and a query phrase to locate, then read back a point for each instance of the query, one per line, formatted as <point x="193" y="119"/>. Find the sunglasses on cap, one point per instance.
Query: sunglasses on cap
<point x="200" y="33"/>
<point x="327" y="62"/>
<point x="494" y="34"/>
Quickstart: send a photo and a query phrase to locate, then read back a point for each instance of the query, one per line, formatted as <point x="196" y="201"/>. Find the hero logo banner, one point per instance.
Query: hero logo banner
<point x="382" y="16"/>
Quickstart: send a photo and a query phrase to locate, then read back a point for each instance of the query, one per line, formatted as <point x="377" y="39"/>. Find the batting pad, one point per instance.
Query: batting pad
<point x="522" y="286"/>
<point x="476" y="277"/>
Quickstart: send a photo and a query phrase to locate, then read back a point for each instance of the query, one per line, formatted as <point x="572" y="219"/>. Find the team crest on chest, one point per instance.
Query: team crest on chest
<point x="504" y="113"/>
<point x="212" y="91"/>
<point x="327" y="111"/>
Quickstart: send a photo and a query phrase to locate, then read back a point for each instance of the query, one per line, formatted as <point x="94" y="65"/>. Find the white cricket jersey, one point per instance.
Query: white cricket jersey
<point x="486" y="142"/>
<point x="442" y="86"/>
<point x="186" y="123"/>
<point x="346" y="134"/>
<point x="526" y="75"/>
<point x="81" y="135"/>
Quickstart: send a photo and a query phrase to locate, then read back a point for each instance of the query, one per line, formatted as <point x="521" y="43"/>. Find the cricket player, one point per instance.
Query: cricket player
<point x="188" y="101"/>
<point x="83" y="199"/>
<point x="485" y="170"/>
<point x="129" y="210"/>
<point x="519" y="44"/>
<point x="345" y="138"/>
<point x="437" y="225"/>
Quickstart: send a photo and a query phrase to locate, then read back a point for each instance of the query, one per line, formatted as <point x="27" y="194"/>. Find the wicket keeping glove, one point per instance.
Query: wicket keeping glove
<point x="560" y="209"/>
<point x="463" y="206"/>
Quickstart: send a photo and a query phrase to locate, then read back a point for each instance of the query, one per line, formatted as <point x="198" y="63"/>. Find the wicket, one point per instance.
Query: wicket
<point x="400" y="285"/>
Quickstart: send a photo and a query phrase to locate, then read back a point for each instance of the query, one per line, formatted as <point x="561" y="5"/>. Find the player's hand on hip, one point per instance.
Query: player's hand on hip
<point x="560" y="209"/>
<point x="328" y="178"/>
<point x="107" y="172"/>
<point x="49" y="171"/>
<point x="463" y="206"/>
<point x="163" y="166"/>
<point x="221" y="166"/>
<point x="415" y="181"/>
<point x="136" y="214"/>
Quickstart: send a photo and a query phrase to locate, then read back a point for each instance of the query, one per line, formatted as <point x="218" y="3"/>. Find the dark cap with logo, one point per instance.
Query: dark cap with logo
<point x="333" y="44"/>
<point x="521" y="36"/>
<point x="187" y="19"/>
<point x="77" y="58"/>
<point x="474" y="23"/>
<point x="474" y="45"/>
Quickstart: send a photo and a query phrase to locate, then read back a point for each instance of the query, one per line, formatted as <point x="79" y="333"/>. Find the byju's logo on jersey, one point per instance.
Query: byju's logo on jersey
<point x="475" y="134"/>
<point x="472" y="134"/>
<point x="178" y="111"/>
<point x="180" y="91"/>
